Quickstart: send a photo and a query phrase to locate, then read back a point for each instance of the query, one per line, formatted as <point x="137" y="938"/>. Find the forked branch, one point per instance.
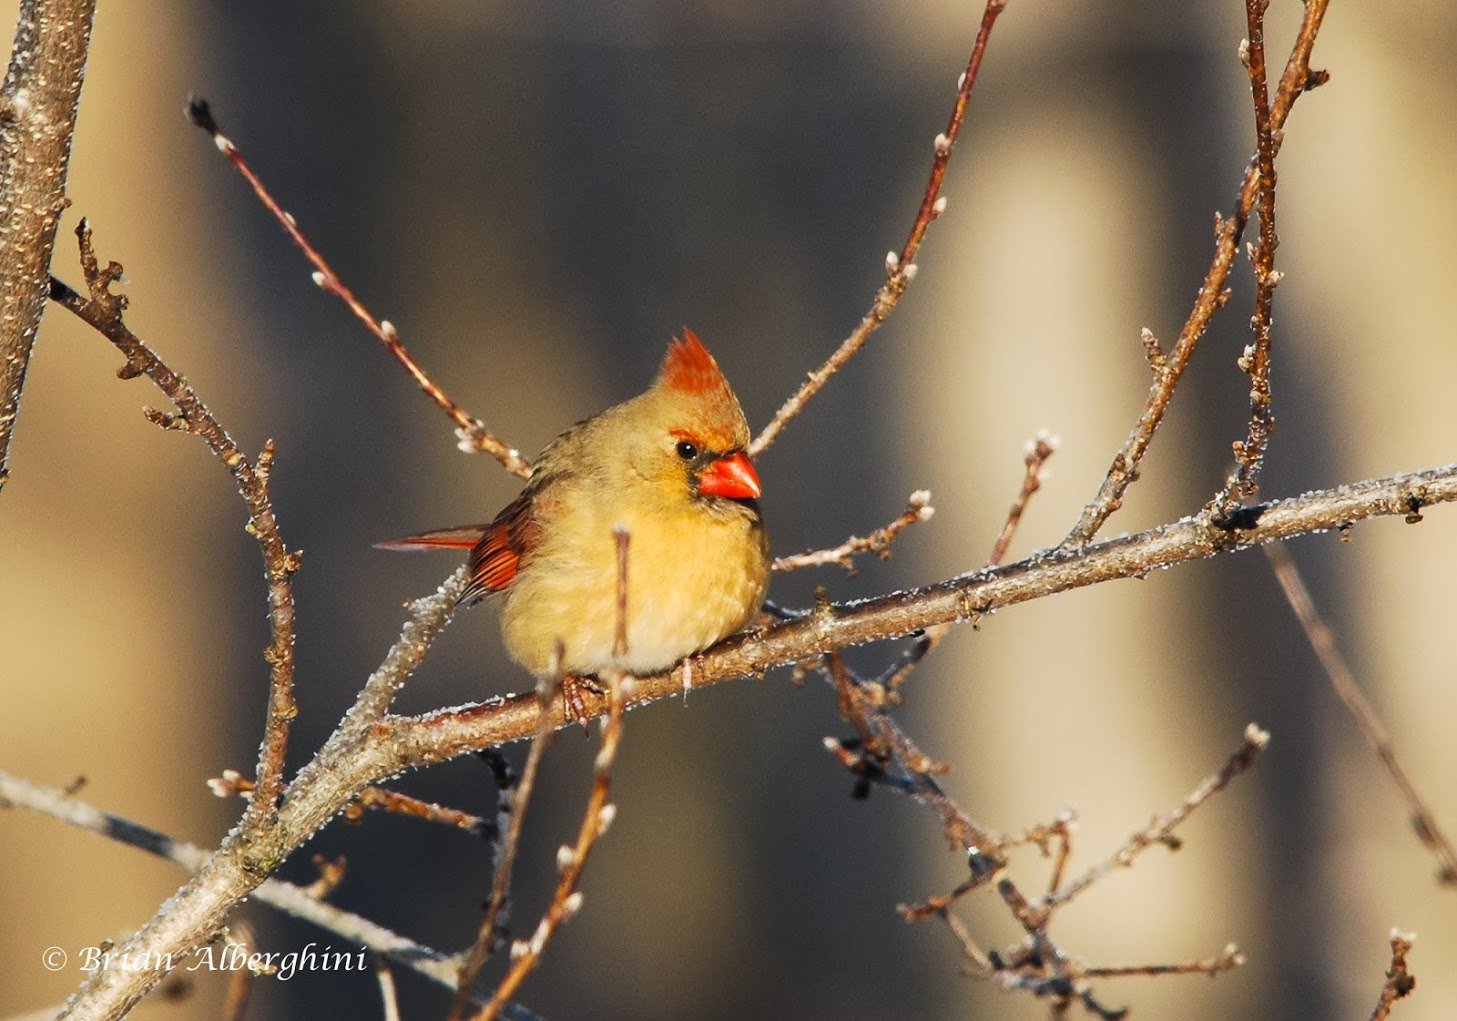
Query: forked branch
<point x="102" y="310"/>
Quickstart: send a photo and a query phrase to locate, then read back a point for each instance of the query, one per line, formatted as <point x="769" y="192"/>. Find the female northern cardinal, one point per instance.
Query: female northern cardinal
<point x="669" y="467"/>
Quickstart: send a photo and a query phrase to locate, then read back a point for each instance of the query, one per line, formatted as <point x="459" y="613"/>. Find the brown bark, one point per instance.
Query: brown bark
<point x="38" y="104"/>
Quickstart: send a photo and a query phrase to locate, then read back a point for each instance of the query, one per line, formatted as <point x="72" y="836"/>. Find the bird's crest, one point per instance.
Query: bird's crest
<point x="689" y="368"/>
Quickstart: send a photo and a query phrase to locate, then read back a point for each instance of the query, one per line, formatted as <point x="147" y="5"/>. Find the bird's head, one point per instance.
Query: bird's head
<point x="696" y="430"/>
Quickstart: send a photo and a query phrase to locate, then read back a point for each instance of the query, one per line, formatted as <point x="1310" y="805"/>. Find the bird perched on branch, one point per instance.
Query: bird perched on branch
<point x="669" y="467"/>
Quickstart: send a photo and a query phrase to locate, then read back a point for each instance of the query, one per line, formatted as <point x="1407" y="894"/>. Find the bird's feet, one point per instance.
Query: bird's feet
<point x="574" y="702"/>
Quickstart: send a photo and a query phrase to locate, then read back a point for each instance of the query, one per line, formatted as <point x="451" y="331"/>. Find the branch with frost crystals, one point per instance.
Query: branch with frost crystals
<point x="434" y="736"/>
<point x="286" y="897"/>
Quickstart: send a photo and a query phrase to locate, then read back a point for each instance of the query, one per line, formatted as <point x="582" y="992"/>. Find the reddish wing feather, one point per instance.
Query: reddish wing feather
<point x="496" y="557"/>
<point x="496" y="549"/>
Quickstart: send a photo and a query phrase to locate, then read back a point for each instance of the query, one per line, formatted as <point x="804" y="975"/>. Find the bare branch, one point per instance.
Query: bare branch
<point x="240" y="980"/>
<point x="38" y="104"/>
<point x="918" y="508"/>
<point x="234" y="784"/>
<point x="1039" y="449"/>
<point x="455" y="732"/>
<point x="497" y="905"/>
<point x="387" y="993"/>
<point x="1160" y="831"/>
<point x="1399" y="979"/>
<point x="103" y="312"/>
<point x="1229" y="959"/>
<point x="1349" y="692"/>
<point x="900" y="269"/>
<point x="472" y="431"/>
<point x="1249" y="454"/>
<point x="286" y="897"/>
<point x="1168" y="369"/>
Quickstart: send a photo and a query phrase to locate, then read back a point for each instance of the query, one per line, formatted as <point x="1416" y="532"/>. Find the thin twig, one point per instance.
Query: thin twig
<point x="498" y="905"/>
<point x="1042" y="837"/>
<point x="918" y="508"/>
<point x="1399" y="979"/>
<point x="391" y="1000"/>
<point x="234" y="784"/>
<point x="1228" y="960"/>
<point x="1343" y="681"/>
<point x="1168" y="369"/>
<point x="102" y="310"/>
<point x="385" y="800"/>
<point x="1160" y="831"/>
<point x="900" y="269"/>
<point x="331" y="873"/>
<point x="472" y="431"/>
<point x="1249" y="453"/>
<point x="240" y="980"/>
<point x="566" y="900"/>
<point x="1039" y="449"/>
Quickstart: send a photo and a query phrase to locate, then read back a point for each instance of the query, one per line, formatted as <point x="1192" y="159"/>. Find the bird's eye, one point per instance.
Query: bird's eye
<point x="687" y="451"/>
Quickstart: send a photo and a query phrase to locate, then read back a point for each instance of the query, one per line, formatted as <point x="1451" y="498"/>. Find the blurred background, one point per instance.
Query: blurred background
<point x="539" y="197"/>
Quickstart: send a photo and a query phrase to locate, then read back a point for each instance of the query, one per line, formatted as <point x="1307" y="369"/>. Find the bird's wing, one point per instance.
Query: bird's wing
<point x="496" y="548"/>
<point x="496" y="556"/>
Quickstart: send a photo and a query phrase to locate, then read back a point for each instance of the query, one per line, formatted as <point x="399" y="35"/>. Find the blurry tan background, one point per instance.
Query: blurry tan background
<point x="539" y="198"/>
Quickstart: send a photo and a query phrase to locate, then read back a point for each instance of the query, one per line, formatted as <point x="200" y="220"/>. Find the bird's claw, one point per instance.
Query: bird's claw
<point x="574" y="704"/>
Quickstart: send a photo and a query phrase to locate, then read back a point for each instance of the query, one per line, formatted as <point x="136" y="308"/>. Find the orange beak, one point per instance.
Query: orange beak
<point x="733" y="477"/>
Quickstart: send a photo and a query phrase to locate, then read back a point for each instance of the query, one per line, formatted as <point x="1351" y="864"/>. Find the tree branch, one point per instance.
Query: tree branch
<point x="369" y="745"/>
<point x="1343" y="681"/>
<point x="286" y="897"/>
<point x="38" y="105"/>
<point x="449" y="733"/>
<point x="471" y="431"/>
<point x="103" y="312"/>
<point x="900" y="268"/>
<point x="1169" y="369"/>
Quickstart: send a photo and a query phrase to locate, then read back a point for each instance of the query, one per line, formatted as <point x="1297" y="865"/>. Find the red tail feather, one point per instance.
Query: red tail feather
<point x="459" y="537"/>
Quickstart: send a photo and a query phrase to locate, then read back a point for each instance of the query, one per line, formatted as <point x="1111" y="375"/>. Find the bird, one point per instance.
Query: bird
<point x="669" y="468"/>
